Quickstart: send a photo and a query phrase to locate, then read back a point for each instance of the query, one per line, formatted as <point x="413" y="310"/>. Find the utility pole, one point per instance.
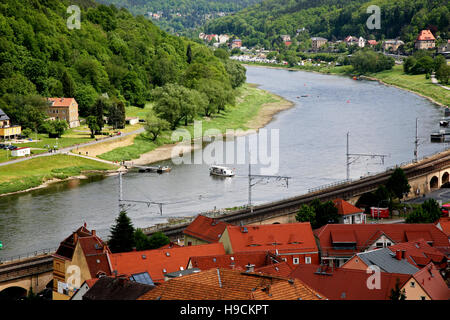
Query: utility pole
<point x="252" y="177"/>
<point x="356" y="156"/>
<point x="416" y="141"/>
<point x="148" y="203"/>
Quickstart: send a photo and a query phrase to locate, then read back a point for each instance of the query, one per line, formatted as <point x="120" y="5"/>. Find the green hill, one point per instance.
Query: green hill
<point x="262" y="24"/>
<point x="178" y="16"/>
<point x="113" y="52"/>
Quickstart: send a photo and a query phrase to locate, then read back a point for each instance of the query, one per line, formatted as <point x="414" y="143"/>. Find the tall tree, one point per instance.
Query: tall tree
<point x="68" y="85"/>
<point x="396" y="293"/>
<point x="122" y="234"/>
<point x="398" y="183"/>
<point x="189" y="54"/>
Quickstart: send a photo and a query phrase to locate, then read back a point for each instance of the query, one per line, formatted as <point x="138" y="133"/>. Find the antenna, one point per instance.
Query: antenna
<point x="148" y="203"/>
<point x="356" y="156"/>
<point x="252" y="177"/>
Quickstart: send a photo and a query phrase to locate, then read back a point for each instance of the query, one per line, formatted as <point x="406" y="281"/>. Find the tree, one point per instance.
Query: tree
<point x="427" y="212"/>
<point x="68" y="85"/>
<point x="141" y="240"/>
<point x="91" y="122"/>
<point x="396" y="293"/>
<point x="189" y="54"/>
<point x="158" y="239"/>
<point x="99" y="108"/>
<point x="155" y="125"/>
<point x="55" y="128"/>
<point x="116" y="114"/>
<point x="122" y="234"/>
<point x="326" y="212"/>
<point x="306" y="214"/>
<point x="398" y="183"/>
<point x="237" y="73"/>
<point x="443" y="74"/>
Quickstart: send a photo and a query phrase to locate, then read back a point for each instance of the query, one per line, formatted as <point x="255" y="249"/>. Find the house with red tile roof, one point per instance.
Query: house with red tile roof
<point x="444" y="225"/>
<point x="348" y="284"/>
<point x="293" y="242"/>
<point x="80" y="257"/>
<point x="425" y="40"/>
<point x="158" y="262"/>
<point x="340" y="242"/>
<point x="408" y="258"/>
<point x="372" y="42"/>
<point x="204" y="230"/>
<point x="226" y="284"/>
<point x="282" y="269"/>
<point x="238" y="261"/>
<point x="349" y="213"/>
<point x="427" y="284"/>
<point x="64" y="109"/>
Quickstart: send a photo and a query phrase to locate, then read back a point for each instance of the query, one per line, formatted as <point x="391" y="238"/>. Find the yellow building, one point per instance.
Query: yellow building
<point x="6" y="130"/>
<point x="80" y="257"/>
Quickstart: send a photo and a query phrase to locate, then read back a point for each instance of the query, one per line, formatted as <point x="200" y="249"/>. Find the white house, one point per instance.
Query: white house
<point x="21" y="152"/>
<point x="349" y="214"/>
<point x="361" y="42"/>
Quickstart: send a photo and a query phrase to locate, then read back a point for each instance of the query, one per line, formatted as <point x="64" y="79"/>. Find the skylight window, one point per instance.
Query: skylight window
<point x="143" y="278"/>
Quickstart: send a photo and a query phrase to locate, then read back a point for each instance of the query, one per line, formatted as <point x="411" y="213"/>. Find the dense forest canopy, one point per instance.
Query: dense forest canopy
<point x="263" y="23"/>
<point x="180" y="15"/>
<point x="113" y="52"/>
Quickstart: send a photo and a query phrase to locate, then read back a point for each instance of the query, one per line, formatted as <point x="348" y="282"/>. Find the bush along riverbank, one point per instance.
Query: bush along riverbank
<point x="254" y="108"/>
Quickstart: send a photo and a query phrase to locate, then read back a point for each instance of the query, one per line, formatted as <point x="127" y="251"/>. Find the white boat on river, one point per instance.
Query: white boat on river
<point x="221" y="171"/>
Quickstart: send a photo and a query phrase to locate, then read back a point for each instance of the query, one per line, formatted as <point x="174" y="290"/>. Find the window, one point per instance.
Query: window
<point x="379" y="244"/>
<point x="308" y="260"/>
<point x="422" y="298"/>
<point x="295" y="260"/>
<point x="412" y="284"/>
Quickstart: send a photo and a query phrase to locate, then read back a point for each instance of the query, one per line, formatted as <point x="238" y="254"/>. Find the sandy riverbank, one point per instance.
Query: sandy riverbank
<point x="265" y="115"/>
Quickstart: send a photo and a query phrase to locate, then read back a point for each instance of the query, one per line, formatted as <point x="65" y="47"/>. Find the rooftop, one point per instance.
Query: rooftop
<point x="205" y="228"/>
<point x="225" y="284"/>
<point x="425" y="35"/>
<point x="346" y="284"/>
<point x="287" y="237"/>
<point x="432" y="283"/>
<point x="346" y="208"/>
<point x="158" y="262"/>
<point x="109" y="288"/>
<point x="60" y="102"/>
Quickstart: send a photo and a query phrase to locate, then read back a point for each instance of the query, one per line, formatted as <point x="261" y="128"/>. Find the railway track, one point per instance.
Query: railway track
<point x="344" y="190"/>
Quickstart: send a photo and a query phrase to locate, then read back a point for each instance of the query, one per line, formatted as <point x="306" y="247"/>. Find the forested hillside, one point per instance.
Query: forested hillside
<point x="113" y="52"/>
<point x="177" y="16"/>
<point x="263" y="23"/>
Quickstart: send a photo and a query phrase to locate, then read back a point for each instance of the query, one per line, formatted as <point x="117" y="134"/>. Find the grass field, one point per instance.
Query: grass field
<point x="249" y="102"/>
<point x="32" y="173"/>
<point x="417" y="83"/>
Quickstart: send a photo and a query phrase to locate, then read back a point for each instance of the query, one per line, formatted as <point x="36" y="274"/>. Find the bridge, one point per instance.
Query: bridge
<point x="426" y="175"/>
<point x="21" y="274"/>
<point x="430" y="173"/>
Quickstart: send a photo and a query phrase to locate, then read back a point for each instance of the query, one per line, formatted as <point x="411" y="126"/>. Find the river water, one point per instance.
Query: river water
<point x="312" y="151"/>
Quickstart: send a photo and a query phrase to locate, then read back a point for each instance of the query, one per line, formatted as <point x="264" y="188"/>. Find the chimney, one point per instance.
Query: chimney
<point x="250" y="267"/>
<point x="75" y="237"/>
<point x="403" y="254"/>
<point x="398" y="255"/>
<point x="93" y="232"/>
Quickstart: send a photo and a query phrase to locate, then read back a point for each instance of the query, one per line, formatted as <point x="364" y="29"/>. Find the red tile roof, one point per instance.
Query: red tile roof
<point x="61" y="102"/>
<point x="225" y="284"/>
<point x="236" y="261"/>
<point x="445" y="225"/>
<point x="282" y="269"/>
<point x="425" y="35"/>
<point x="366" y="234"/>
<point x="206" y="229"/>
<point x="432" y="283"/>
<point x="96" y="255"/>
<point x="347" y="284"/>
<point x="67" y="246"/>
<point x="419" y="253"/>
<point x="372" y="42"/>
<point x="156" y="261"/>
<point x="345" y="208"/>
<point x="289" y="237"/>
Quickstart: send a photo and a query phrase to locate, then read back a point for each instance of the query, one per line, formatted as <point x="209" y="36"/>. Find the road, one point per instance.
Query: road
<point x="67" y="149"/>
<point x="440" y="194"/>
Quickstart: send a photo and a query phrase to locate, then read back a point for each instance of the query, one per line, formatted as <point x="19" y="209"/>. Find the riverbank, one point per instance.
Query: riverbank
<point x="254" y="109"/>
<point x="395" y="77"/>
<point x="40" y="172"/>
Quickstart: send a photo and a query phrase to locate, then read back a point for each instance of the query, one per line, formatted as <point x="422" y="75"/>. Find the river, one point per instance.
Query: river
<point x="312" y="151"/>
